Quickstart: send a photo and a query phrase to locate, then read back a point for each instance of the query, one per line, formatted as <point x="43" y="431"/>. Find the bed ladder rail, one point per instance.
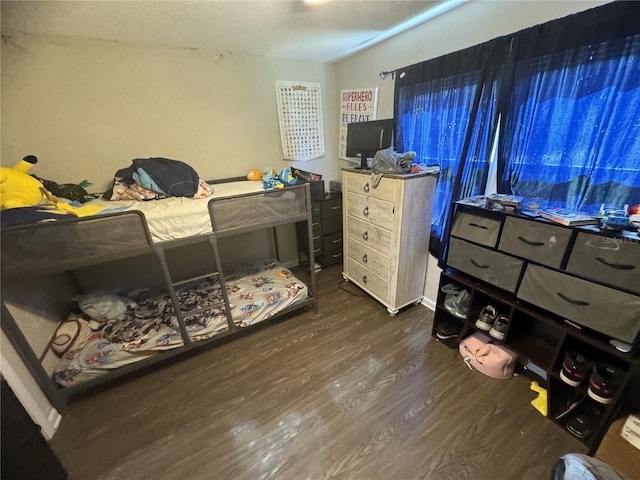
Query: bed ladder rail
<point x="170" y="285"/>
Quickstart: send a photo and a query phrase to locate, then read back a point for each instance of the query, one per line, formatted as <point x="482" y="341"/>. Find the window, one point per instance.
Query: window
<point x="568" y="97"/>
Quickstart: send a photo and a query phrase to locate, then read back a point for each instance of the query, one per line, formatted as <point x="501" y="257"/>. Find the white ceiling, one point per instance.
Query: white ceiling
<point x="292" y="29"/>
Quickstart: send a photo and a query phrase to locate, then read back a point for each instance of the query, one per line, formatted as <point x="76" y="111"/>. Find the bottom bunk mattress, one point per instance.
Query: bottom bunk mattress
<point x="143" y="323"/>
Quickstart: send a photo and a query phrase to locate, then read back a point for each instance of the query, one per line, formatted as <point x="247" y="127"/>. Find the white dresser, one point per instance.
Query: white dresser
<point x="386" y="234"/>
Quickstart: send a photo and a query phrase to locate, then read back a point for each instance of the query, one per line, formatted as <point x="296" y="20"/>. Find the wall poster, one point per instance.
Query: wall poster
<point x="300" y="117"/>
<point x="356" y="105"/>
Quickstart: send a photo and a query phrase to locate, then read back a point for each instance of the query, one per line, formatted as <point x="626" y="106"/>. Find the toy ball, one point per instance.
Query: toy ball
<point x="254" y="175"/>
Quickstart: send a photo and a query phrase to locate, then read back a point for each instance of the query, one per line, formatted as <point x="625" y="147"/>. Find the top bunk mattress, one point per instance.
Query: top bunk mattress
<point x="179" y="217"/>
<point x="125" y="228"/>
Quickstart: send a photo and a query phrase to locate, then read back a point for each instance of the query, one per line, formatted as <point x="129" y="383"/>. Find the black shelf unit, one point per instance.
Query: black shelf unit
<point x="541" y="338"/>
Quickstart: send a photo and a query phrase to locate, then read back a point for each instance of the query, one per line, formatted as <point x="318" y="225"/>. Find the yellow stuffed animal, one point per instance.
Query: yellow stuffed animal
<point x="19" y="189"/>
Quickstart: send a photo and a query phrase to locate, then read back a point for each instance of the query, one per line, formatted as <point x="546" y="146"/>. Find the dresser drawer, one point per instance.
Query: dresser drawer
<point x="614" y="261"/>
<point x="377" y="212"/>
<point x="316" y="210"/>
<point x="332" y="242"/>
<point x="331" y="258"/>
<point x="358" y="183"/>
<point x="372" y="259"/>
<point x="535" y="241"/>
<point x="331" y="225"/>
<point x="476" y="228"/>
<point x="331" y="216"/>
<point x="600" y="308"/>
<point x="365" y="278"/>
<point x="495" y="268"/>
<point x="332" y="208"/>
<point x="375" y="237"/>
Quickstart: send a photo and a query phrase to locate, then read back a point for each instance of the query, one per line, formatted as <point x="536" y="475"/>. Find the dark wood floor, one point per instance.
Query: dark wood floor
<point x="350" y="393"/>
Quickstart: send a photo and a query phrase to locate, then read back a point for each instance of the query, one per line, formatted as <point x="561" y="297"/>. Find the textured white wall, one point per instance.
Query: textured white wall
<point x="86" y="108"/>
<point x="470" y="24"/>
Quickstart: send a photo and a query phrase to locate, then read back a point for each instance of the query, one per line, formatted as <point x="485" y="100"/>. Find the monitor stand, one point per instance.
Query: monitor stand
<point x="363" y="162"/>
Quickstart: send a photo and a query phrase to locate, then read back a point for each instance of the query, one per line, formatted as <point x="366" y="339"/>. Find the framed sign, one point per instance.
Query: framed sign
<point x="356" y="105"/>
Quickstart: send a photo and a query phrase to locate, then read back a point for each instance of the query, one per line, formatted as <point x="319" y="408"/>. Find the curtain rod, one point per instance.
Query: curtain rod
<point x="385" y="73"/>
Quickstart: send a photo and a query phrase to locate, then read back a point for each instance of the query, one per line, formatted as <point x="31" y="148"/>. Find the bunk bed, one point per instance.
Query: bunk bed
<point x="47" y="267"/>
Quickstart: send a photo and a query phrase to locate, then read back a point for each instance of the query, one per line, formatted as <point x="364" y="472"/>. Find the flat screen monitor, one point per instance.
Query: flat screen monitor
<point x="364" y="139"/>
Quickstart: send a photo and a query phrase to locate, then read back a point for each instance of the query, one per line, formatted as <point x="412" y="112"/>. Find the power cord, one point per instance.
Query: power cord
<point x="341" y="287"/>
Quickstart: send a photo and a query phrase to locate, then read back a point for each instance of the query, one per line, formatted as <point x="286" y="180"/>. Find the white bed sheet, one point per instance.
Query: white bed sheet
<point x="179" y="217"/>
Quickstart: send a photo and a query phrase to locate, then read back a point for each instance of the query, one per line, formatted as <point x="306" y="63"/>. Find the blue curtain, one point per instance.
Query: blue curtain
<point x="445" y="111"/>
<point x="568" y="95"/>
<point x="571" y="130"/>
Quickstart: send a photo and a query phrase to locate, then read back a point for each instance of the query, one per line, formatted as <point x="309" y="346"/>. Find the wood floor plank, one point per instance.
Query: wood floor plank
<point x="348" y="393"/>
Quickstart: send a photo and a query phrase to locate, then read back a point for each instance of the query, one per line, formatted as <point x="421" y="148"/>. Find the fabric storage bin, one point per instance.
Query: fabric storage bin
<point x="615" y="261"/>
<point x="478" y="229"/>
<point x="537" y="241"/>
<point x="493" y="267"/>
<point x="603" y="309"/>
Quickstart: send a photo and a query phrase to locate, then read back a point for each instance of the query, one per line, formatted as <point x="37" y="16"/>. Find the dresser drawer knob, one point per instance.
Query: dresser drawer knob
<point x="365" y="235"/>
<point x="364" y="279"/>
<point x="366" y="187"/>
<point x="365" y="259"/>
<point x="365" y="211"/>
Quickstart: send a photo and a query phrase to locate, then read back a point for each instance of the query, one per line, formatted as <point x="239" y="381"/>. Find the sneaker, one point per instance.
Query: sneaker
<point x="603" y="383"/>
<point x="451" y="288"/>
<point x="570" y="405"/>
<point x="575" y="369"/>
<point x="499" y="327"/>
<point x="584" y="422"/>
<point x="458" y="304"/>
<point x="486" y="318"/>
<point x="448" y="329"/>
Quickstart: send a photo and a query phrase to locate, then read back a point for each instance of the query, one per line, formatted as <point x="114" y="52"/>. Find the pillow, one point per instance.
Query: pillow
<point x="103" y="305"/>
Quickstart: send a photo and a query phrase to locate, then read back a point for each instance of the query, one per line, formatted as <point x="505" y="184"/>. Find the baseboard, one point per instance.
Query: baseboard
<point x="430" y="304"/>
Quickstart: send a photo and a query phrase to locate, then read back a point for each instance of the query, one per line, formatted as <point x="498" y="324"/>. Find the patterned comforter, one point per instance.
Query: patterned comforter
<point x="256" y="291"/>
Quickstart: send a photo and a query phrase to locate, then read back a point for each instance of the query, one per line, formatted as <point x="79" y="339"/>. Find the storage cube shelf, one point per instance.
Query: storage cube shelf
<point x="541" y="277"/>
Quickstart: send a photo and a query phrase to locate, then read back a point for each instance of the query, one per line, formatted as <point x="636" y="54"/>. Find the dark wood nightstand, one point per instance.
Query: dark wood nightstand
<point x="327" y="230"/>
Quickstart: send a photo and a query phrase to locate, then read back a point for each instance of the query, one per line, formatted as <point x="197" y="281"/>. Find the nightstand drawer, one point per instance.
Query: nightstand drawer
<point x="377" y="212"/>
<point x="332" y="242"/>
<point x="332" y="208"/>
<point x="600" y="308"/>
<point x="535" y="241"/>
<point x="331" y="225"/>
<point x="372" y="259"/>
<point x="615" y="261"/>
<point x="372" y="283"/>
<point x="358" y="183"/>
<point x="478" y="229"/>
<point x="316" y="210"/>
<point x="496" y="268"/>
<point x="375" y="237"/>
